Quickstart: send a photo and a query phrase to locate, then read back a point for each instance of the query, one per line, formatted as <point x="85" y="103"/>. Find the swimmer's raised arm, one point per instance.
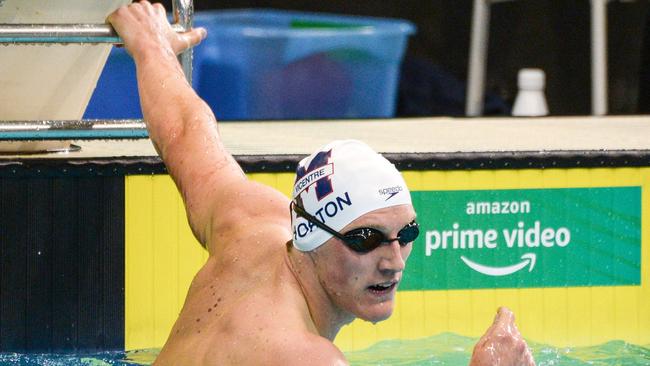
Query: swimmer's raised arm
<point x="183" y="128"/>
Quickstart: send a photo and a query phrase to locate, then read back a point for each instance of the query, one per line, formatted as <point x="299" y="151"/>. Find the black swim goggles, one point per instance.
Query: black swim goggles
<point x="365" y="239"/>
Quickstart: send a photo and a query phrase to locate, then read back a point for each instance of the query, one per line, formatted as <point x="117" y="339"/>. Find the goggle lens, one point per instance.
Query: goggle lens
<point x="363" y="240"/>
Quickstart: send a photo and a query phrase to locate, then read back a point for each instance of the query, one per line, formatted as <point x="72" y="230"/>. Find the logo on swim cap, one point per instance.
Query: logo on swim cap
<point x="390" y="191"/>
<point x="318" y="172"/>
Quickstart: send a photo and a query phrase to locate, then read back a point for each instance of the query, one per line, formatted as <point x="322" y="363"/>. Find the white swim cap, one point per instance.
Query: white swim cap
<point x="340" y="182"/>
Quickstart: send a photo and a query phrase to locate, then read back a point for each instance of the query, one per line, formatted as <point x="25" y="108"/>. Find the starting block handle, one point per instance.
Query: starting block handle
<point x="62" y="33"/>
<point x="183" y="11"/>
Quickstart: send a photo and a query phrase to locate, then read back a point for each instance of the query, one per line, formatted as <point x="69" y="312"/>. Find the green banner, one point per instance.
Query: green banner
<point x="526" y="238"/>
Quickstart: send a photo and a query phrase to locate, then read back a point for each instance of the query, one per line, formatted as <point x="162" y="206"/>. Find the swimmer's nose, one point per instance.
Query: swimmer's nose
<point x="391" y="257"/>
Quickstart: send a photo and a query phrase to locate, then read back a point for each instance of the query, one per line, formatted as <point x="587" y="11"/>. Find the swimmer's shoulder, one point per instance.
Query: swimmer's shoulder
<point x="322" y="352"/>
<point x="281" y="335"/>
<point x="303" y="349"/>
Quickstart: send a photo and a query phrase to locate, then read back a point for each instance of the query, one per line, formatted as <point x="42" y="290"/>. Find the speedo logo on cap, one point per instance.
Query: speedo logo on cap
<point x="390" y="191"/>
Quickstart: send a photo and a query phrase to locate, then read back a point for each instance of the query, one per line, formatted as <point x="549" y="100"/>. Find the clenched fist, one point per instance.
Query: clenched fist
<point x="502" y="344"/>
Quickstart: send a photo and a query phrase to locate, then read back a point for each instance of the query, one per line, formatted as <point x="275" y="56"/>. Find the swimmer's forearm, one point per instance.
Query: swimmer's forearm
<point x="174" y="114"/>
<point x="167" y="99"/>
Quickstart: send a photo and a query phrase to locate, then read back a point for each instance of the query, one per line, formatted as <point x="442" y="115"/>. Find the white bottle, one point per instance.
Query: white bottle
<point x="530" y="101"/>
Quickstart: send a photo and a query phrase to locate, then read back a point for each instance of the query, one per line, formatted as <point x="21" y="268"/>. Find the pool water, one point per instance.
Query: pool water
<point x="451" y="349"/>
<point x="440" y="350"/>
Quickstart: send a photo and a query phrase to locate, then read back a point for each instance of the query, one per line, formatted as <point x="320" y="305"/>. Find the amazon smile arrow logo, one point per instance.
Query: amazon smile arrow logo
<point x="528" y="258"/>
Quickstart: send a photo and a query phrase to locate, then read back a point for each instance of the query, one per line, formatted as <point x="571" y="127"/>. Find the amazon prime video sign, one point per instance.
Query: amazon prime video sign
<point x="526" y="238"/>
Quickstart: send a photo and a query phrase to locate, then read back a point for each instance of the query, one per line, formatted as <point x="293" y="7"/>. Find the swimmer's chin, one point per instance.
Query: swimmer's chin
<point x="377" y="318"/>
<point x="378" y="312"/>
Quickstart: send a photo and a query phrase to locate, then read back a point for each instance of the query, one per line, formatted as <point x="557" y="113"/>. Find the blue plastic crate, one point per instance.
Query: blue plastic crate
<point x="269" y="64"/>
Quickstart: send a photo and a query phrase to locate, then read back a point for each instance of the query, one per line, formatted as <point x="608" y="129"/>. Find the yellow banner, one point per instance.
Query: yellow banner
<point x="162" y="257"/>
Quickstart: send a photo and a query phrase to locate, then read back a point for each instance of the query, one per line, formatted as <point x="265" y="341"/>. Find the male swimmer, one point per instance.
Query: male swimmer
<point x="277" y="287"/>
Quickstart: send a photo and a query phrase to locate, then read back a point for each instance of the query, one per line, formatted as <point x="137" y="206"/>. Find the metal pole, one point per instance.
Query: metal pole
<point x="477" y="58"/>
<point x="599" y="57"/>
<point x="72" y="129"/>
<point x="62" y="33"/>
<point x="183" y="15"/>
